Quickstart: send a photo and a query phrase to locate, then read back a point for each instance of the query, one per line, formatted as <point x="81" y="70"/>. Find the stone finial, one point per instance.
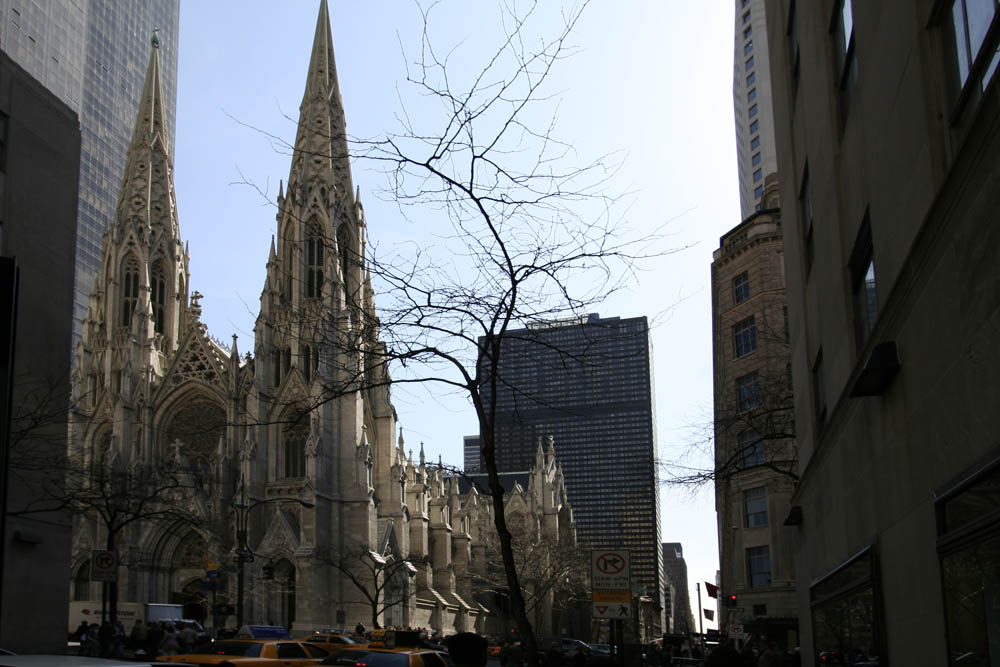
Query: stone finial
<point x="155" y="40"/>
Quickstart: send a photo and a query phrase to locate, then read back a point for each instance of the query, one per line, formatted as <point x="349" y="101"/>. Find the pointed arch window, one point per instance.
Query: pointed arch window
<point x="294" y="449"/>
<point x="158" y="293"/>
<point x="343" y="245"/>
<point x="130" y="288"/>
<point x="314" y="262"/>
<point x="288" y="273"/>
<point x="307" y="363"/>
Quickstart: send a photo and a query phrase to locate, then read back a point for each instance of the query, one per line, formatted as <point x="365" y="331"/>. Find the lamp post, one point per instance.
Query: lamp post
<point x="243" y="554"/>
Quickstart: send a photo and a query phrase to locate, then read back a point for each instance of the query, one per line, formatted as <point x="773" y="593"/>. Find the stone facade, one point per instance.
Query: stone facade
<point x="299" y="440"/>
<point x="887" y="118"/>
<point x="755" y="455"/>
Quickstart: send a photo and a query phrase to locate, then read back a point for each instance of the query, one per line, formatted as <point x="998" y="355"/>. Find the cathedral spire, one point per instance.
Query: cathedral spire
<point x="147" y="196"/>
<point x="320" y="160"/>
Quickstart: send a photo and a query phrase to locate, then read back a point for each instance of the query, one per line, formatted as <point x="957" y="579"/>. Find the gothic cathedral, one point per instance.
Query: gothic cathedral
<point x="287" y="459"/>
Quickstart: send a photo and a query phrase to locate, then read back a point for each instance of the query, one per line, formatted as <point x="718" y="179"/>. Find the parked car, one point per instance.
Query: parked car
<point x="253" y="653"/>
<point x="333" y="641"/>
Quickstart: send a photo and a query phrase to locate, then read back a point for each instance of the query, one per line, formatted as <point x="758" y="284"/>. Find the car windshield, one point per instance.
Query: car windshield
<point x="353" y="658"/>
<point x="244" y="649"/>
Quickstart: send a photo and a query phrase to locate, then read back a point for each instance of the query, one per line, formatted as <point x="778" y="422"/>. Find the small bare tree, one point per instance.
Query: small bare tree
<point x="381" y="578"/>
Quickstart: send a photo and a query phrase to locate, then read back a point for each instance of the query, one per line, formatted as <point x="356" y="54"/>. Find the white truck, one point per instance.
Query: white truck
<point x="156" y="612"/>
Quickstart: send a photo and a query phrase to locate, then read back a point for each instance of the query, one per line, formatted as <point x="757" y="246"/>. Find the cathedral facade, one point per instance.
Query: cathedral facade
<point x="287" y="461"/>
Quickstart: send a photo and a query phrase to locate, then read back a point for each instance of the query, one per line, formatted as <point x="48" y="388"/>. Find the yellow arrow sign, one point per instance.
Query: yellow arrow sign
<point x="613" y="595"/>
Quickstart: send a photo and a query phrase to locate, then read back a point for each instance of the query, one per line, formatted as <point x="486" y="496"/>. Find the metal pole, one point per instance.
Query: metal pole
<point x="241" y="536"/>
<point x="701" y="614"/>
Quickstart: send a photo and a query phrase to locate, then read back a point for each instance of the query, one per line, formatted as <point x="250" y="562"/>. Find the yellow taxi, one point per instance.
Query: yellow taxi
<point x="253" y="653"/>
<point x="390" y="648"/>
<point x="333" y="641"/>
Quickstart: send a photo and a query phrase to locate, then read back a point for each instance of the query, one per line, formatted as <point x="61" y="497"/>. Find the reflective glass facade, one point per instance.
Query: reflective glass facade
<point x="92" y="54"/>
<point x="589" y="385"/>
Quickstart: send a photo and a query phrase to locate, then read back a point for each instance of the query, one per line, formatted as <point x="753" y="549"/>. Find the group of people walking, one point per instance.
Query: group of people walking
<point x="109" y="640"/>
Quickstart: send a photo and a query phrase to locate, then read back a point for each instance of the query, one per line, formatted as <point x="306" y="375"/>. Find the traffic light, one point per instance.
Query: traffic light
<point x="268" y="571"/>
<point x="731" y="600"/>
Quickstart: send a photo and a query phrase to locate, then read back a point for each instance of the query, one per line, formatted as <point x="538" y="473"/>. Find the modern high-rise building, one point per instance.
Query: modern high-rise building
<point x="473" y="457"/>
<point x="675" y="571"/>
<point x="755" y="461"/>
<point x="92" y="54"/>
<point x="887" y="118"/>
<point x="589" y="384"/>
<point x="752" y="106"/>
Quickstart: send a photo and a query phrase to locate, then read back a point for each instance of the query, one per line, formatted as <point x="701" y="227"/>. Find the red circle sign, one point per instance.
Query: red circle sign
<point x="610" y="563"/>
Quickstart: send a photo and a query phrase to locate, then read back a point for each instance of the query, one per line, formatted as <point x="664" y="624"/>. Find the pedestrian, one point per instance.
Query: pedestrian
<point x="187" y="638"/>
<point x="80" y="634"/>
<point x="359" y="629"/>
<point x="724" y="655"/>
<point x="772" y="657"/>
<point x="91" y="646"/>
<point x="467" y="649"/>
<point x="154" y="635"/>
<point x="169" y="644"/>
<point x="137" y="638"/>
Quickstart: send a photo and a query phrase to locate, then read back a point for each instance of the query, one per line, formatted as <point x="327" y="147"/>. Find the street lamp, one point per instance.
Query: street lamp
<point x="243" y="554"/>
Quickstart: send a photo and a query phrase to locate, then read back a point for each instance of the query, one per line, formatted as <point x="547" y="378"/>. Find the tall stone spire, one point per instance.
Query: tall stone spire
<point x="147" y="195"/>
<point x="321" y="141"/>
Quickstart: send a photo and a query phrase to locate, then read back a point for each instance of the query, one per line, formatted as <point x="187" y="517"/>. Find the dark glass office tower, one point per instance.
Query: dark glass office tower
<point x="589" y="384"/>
<point x="92" y="54"/>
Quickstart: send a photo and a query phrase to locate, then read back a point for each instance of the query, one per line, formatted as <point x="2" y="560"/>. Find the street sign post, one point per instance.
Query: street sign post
<point x="103" y="566"/>
<point x="611" y="592"/>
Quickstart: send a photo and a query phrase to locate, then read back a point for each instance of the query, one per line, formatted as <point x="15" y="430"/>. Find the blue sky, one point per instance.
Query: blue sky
<point x="651" y="81"/>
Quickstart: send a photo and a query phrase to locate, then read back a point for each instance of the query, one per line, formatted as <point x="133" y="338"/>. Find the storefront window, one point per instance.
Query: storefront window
<point x="969" y="546"/>
<point x="846" y="627"/>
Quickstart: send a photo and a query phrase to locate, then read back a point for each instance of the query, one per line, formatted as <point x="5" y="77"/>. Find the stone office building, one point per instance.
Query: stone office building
<point x="887" y="118"/>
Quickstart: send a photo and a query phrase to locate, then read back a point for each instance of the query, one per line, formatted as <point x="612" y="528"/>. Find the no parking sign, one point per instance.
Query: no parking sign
<point x="103" y="566"/>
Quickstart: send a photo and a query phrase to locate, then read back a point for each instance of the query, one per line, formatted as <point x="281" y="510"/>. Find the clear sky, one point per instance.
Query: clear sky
<point x="652" y="79"/>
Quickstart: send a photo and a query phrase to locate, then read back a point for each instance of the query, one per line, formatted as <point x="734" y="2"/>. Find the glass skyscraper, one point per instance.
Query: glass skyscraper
<point x="589" y="384"/>
<point x="92" y="54"/>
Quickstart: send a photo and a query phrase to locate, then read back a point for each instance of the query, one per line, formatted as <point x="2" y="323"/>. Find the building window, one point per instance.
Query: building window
<point x="845" y="619"/>
<point x="846" y="58"/>
<point x="969" y="550"/>
<point x="806" y="213"/>
<point x="755" y="143"/>
<point x="130" y="289"/>
<point x="741" y="287"/>
<point x="759" y="566"/>
<point x="81" y="583"/>
<point x="752" y="111"/>
<point x="758" y="192"/>
<point x="748" y="391"/>
<point x="757" y="175"/>
<point x="862" y="271"/>
<point x="288" y="273"/>
<point x="760" y="610"/>
<point x="748" y="48"/>
<point x="157" y="296"/>
<point x="748" y="32"/>
<point x="746" y="16"/>
<point x="754" y="126"/>
<point x="751" y="78"/>
<point x="749" y="64"/>
<point x="755" y="160"/>
<point x="755" y="502"/>
<point x="971" y="22"/>
<point x="819" y="390"/>
<point x="294" y="449"/>
<point x="752" y="95"/>
<point x="4" y="122"/>
<point x="314" y="263"/>
<point x="745" y="337"/>
<point x="751" y="449"/>
<point x="745" y="3"/>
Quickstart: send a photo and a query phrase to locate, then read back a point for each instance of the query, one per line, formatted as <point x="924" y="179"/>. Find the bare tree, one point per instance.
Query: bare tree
<point x="381" y="578"/>
<point x="99" y="489"/>
<point x="525" y="232"/>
